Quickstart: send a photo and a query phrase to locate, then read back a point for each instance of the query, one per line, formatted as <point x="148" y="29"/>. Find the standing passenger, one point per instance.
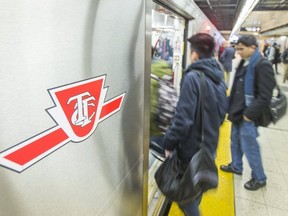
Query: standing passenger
<point x="265" y="50"/>
<point x="221" y="49"/>
<point x="273" y="54"/>
<point x="248" y="99"/>
<point x="185" y="133"/>
<point x="226" y="60"/>
<point x="277" y="57"/>
<point x="285" y="63"/>
<point x="159" y="69"/>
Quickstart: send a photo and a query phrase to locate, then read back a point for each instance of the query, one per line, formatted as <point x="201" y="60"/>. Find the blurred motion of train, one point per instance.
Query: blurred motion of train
<point x="75" y="80"/>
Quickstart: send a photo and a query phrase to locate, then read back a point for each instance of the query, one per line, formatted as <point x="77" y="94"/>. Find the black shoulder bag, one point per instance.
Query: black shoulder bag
<point x="182" y="183"/>
<point x="278" y="105"/>
<point x="276" y="110"/>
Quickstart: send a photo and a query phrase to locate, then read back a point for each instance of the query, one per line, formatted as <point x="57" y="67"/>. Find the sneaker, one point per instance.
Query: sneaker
<point x="254" y="185"/>
<point x="228" y="168"/>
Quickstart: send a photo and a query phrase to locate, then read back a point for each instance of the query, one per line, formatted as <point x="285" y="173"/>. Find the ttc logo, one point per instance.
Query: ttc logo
<point x="79" y="108"/>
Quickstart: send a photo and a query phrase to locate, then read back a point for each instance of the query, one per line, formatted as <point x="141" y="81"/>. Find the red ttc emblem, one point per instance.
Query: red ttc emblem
<point x="79" y="108"/>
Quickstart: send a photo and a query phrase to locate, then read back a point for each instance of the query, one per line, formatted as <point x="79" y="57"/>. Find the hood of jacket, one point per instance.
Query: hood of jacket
<point x="210" y="67"/>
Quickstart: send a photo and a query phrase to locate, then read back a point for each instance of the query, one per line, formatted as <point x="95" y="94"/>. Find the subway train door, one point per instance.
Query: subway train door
<point x="169" y="31"/>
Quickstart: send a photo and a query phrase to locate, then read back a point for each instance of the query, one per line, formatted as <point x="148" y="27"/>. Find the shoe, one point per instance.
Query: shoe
<point x="230" y="169"/>
<point x="254" y="185"/>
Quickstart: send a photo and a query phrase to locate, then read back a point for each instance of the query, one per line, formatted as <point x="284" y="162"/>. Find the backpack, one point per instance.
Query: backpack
<point x="277" y="55"/>
<point x="167" y="101"/>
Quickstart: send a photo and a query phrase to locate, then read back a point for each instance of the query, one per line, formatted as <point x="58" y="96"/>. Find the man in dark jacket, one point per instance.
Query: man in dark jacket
<point x="250" y="96"/>
<point x="185" y="133"/>
<point x="226" y="60"/>
<point x="285" y="64"/>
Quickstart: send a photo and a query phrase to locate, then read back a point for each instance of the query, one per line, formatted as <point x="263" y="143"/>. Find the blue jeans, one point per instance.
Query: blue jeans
<point x="192" y="208"/>
<point x="244" y="141"/>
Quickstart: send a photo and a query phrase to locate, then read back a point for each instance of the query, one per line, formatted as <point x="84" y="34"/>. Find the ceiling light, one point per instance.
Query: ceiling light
<point x="247" y="8"/>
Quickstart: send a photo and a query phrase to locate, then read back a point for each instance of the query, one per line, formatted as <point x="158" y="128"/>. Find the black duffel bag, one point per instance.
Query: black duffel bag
<point x="276" y="110"/>
<point x="183" y="183"/>
<point x="278" y="106"/>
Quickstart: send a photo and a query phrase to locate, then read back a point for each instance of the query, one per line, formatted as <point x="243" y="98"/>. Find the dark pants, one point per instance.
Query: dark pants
<point x="192" y="208"/>
<point x="276" y="67"/>
<point x="274" y="62"/>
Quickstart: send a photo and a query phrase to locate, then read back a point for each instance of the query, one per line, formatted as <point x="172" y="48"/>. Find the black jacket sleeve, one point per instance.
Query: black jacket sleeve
<point x="264" y="83"/>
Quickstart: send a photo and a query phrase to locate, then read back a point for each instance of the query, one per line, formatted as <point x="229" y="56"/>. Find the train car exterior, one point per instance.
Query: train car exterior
<point x="74" y="91"/>
<point x="72" y="104"/>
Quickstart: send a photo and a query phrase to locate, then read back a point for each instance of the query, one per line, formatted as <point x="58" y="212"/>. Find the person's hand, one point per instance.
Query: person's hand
<point x="246" y="119"/>
<point x="167" y="153"/>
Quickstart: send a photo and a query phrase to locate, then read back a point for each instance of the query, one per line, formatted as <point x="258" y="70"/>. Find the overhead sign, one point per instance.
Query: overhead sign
<point x="79" y="108"/>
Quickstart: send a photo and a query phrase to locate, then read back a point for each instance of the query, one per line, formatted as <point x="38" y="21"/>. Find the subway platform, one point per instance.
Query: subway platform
<point x="231" y="198"/>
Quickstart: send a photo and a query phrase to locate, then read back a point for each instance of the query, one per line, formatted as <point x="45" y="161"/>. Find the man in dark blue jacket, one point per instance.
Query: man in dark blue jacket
<point x="185" y="133"/>
<point x="250" y="96"/>
<point x="226" y="59"/>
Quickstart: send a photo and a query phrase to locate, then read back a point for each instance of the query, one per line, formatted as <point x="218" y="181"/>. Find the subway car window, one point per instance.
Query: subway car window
<point x="167" y="39"/>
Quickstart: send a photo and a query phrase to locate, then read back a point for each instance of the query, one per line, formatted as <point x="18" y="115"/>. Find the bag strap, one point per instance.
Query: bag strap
<point x="203" y="84"/>
<point x="202" y="103"/>
<point x="157" y="157"/>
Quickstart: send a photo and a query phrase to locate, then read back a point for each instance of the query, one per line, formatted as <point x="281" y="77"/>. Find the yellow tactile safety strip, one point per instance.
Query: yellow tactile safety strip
<point x="218" y="202"/>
